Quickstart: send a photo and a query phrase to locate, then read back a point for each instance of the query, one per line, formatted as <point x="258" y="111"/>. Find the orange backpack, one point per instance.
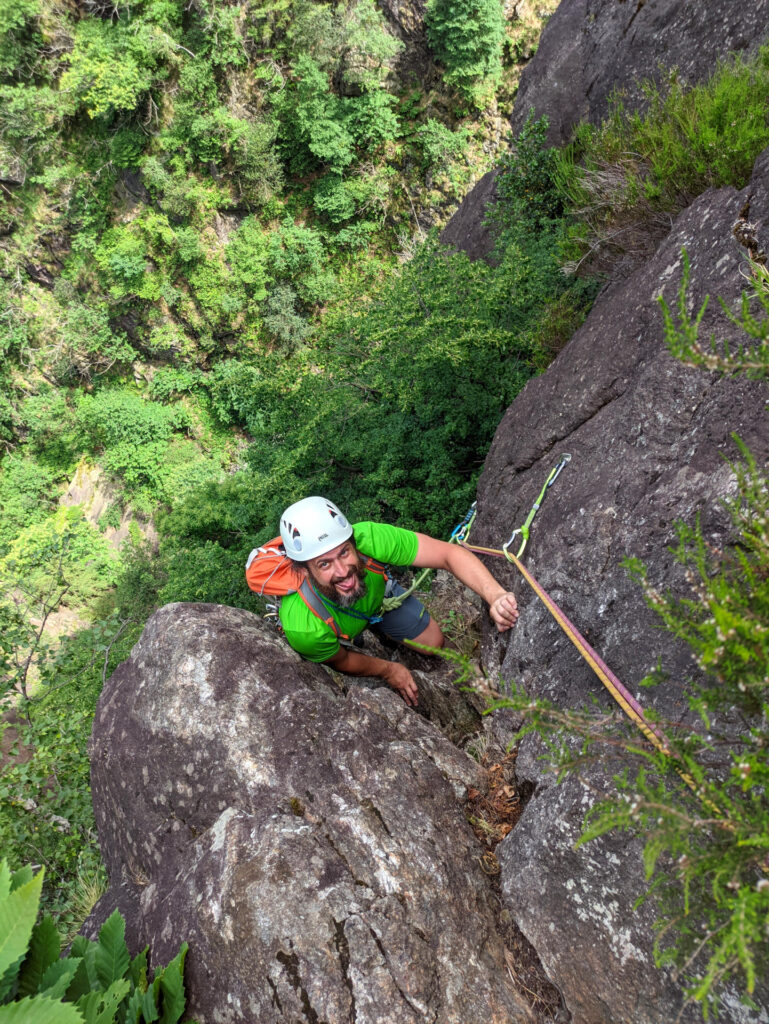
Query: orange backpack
<point x="271" y="573"/>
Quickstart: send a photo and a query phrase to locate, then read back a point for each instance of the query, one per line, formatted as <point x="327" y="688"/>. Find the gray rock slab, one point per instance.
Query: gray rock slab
<point x="591" y="49"/>
<point x="310" y="846"/>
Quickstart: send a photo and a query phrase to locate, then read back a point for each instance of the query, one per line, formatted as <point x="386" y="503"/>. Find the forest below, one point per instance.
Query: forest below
<point x="223" y="289"/>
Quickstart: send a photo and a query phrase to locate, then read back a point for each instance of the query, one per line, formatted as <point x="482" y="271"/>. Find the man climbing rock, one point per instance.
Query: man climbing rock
<point x="342" y="569"/>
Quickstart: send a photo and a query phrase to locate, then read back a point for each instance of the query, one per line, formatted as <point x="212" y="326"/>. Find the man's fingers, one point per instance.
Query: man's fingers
<point x="401" y="680"/>
<point x="409" y="694"/>
<point x="504" y="611"/>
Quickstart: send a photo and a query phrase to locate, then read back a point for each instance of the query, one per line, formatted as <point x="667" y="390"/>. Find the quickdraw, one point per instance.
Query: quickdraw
<point x="523" y="531"/>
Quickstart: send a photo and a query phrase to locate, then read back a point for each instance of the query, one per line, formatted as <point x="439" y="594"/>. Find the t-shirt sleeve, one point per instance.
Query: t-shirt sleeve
<point x="390" y="544"/>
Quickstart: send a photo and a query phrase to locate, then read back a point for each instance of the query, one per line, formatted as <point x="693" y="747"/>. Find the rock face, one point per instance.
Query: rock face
<point x="310" y="846"/>
<point x="650" y="442"/>
<point x="406" y="19"/>
<point x="467" y="229"/>
<point x="591" y="48"/>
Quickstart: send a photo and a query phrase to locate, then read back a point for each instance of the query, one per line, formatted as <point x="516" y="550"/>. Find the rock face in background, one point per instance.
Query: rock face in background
<point x="649" y="440"/>
<point x="407" y="17"/>
<point x="467" y="229"/>
<point x="592" y="48"/>
<point x="310" y="846"/>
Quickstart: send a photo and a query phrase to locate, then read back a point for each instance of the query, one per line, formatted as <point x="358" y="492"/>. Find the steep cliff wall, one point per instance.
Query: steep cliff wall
<point x="591" y="49"/>
<point x="650" y="442"/>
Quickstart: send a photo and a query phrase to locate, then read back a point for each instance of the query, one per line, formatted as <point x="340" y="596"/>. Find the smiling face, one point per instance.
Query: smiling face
<point x="338" y="574"/>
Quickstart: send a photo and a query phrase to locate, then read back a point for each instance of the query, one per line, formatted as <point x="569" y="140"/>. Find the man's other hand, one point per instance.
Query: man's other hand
<point x="399" y="677"/>
<point x="504" y="611"/>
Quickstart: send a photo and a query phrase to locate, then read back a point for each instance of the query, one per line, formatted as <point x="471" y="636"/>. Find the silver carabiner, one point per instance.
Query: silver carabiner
<point x="513" y="535"/>
<point x="565" y="459"/>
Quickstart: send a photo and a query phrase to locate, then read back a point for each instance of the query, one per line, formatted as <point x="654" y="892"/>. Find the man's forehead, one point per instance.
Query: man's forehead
<point x="334" y="552"/>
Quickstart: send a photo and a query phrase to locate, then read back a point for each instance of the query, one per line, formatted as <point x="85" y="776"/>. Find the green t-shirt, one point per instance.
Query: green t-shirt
<point x="311" y="637"/>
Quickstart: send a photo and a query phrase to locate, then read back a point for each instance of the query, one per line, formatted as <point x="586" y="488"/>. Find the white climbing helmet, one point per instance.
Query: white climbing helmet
<point x="311" y="527"/>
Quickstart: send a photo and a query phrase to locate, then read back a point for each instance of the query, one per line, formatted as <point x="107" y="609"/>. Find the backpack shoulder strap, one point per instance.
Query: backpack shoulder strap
<point x="374" y="566"/>
<point x="317" y="607"/>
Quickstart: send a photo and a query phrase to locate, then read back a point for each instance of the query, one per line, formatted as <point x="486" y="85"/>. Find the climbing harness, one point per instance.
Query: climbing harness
<point x="620" y="693"/>
<point x="332" y="607"/>
<point x="270" y="572"/>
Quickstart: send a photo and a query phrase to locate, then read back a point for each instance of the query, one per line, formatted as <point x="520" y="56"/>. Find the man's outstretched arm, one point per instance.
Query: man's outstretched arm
<point x="438" y="554"/>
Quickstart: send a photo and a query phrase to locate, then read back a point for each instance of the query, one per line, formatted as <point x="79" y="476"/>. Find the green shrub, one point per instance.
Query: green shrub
<point x="94" y="983"/>
<point x="123" y="255"/>
<point x="312" y="132"/>
<point x="440" y="145"/>
<point x="467" y="38"/>
<point x="528" y="185"/>
<point x="349" y="42"/>
<point x="332" y="199"/>
<point x="297" y="257"/>
<point x="118" y="415"/>
<point x="130" y="435"/>
<point x="371" y="119"/>
<point x="64" y="544"/>
<point x="114" y="64"/>
<point x="628" y="176"/>
<point x="27" y="495"/>
<point x="247" y="254"/>
<point x="282" y="320"/>
<point x="86" y="344"/>
<point x="51" y="428"/>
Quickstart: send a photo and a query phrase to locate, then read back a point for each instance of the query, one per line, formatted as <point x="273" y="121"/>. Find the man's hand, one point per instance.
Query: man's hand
<point x="504" y="611"/>
<point x="399" y="677"/>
